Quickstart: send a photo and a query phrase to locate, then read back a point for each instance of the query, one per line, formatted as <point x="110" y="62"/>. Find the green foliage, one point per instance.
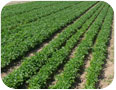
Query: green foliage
<point x="99" y="52"/>
<point x="10" y="24"/>
<point x="60" y="56"/>
<point x="35" y="33"/>
<point x="16" y="9"/>
<point x="73" y="66"/>
<point x="23" y="34"/>
<point x="30" y="66"/>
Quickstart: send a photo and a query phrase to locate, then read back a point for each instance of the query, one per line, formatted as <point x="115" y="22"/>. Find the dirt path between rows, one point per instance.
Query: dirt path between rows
<point x="16" y="65"/>
<point x="109" y="67"/>
<point x="83" y="75"/>
<point x="61" y="69"/>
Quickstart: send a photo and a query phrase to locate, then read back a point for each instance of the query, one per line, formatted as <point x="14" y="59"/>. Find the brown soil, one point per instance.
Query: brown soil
<point x="3" y="74"/>
<point x="59" y="72"/>
<point x="73" y="52"/>
<point x="109" y="67"/>
<point x="83" y="75"/>
<point x="17" y="64"/>
<point x="107" y="78"/>
<point x="16" y="2"/>
<point x="29" y="54"/>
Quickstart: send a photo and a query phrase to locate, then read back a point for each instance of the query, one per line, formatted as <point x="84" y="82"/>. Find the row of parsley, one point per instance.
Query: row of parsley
<point x="14" y="24"/>
<point x="99" y="52"/>
<point x="40" y="80"/>
<point x="72" y="68"/>
<point x="31" y="65"/>
<point x="13" y="10"/>
<point x="38" y="32"/>
<point x="11" y="23"/>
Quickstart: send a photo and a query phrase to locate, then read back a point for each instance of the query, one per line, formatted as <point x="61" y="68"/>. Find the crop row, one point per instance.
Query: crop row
<point x="18" y="20"/>
<point x="35" y="35"/>
<point x="13" y="10"/>
<point x="74" y="65"/>
<point x="30" y="66"/>
<point x="16" y="25"/>
<point x="57" y="59"/>
<point x="99" y="52"/>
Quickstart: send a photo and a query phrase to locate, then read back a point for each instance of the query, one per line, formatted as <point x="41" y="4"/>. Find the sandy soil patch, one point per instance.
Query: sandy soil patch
<point x="16" y="2"/>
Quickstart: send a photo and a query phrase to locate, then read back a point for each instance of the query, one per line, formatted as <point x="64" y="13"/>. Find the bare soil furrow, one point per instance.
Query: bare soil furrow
<point x="82" y="79"/>
<point x="53" y="81"/>
<point x="81" y="76"/>
<point x="17" y="63"/>
<point x="108" y="68"/>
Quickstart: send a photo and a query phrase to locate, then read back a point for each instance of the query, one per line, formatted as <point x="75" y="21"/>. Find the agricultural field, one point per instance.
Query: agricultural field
<point x="57" y="45"/>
